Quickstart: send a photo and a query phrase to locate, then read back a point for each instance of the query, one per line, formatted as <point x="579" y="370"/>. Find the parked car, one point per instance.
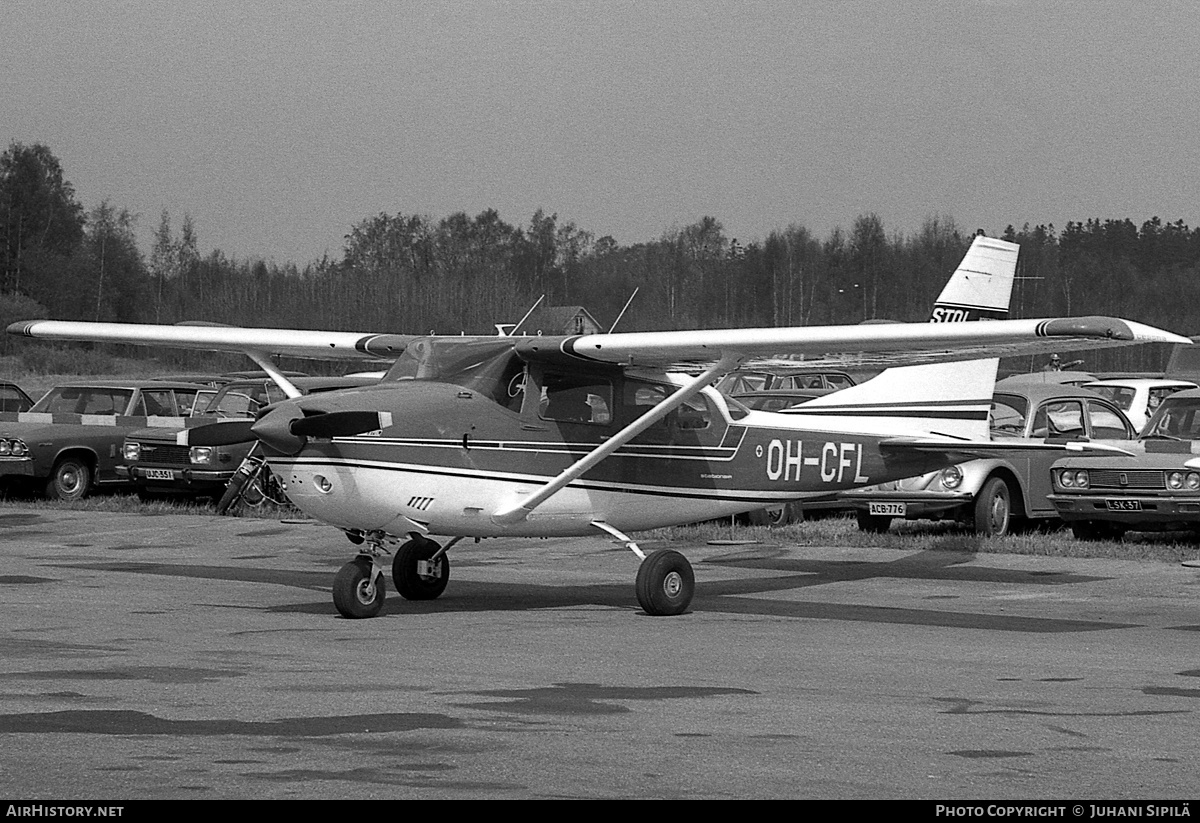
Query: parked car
<point x="1156" y="488"/>
<point x="777" y="399"/>
<point x="156" y="464"/>
<point x="1139" y="398"/>
<point x="1062" y="378"/>
<point x="742" y="381"/>
<point x="991" y="493"/>
<point x="70" y="440"/>
<point x="13" y="398"/>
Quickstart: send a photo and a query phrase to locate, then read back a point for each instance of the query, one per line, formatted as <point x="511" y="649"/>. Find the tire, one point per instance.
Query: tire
<point x="70" y="480"/>
<point x="1092" y="530"/>
<point x="773" y="516"/>
<point x="875" y="523"/>
<point x="409" y="581"/>
<point x="993" y="509"/>
<point x="232" y="491"/>
<point x="665" y="583"/>
<point x="354" y="596"/>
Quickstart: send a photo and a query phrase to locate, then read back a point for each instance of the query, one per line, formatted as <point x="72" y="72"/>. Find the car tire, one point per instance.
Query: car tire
<point x="874" y="523"/>
<point x="777" y="515"/>
<point x="70" y="479"/>
<point x="993" y="509"/>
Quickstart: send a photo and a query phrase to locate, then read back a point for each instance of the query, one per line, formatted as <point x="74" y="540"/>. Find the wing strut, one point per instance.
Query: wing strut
<point x="266" y="364"/>
<point x="518" y="511"/>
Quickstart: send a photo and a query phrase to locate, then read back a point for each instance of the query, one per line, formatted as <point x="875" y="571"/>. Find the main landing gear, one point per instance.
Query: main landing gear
<point x="420" y="571"/>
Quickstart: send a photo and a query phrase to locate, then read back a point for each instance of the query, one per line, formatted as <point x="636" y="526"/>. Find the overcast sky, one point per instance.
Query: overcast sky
<point x="279" y="125"/>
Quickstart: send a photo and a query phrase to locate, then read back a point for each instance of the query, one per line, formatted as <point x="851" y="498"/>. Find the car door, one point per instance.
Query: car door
<point x="1057" y="420"/>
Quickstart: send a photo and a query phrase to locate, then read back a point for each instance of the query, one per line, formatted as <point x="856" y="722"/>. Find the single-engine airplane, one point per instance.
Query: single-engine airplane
<point x="556" y="436"/>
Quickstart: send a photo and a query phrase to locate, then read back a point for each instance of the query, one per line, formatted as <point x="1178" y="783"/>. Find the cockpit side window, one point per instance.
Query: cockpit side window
<point x="575" y="398"/>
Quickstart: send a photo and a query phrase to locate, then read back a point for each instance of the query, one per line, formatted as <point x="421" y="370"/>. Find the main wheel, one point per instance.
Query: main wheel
<point x="665" y="583"/>
<point x="415" y="576"/>
<point x="777" y="515"/>
<point x="993" y="509"/>
<point x="876" y="523"/>
<point x="355" y="593"/>
<point x="71" y="479"/>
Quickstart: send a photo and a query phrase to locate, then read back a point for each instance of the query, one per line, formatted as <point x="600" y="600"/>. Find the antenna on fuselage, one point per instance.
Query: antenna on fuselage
<point x="626" y="308"/>
<point x="505" y="329"/>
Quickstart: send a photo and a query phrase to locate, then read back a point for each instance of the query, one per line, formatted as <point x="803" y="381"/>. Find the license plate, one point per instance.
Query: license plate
<point x="158" y="474"/>
<point x="1123" y="505"/>
<point x="890" y="509"/>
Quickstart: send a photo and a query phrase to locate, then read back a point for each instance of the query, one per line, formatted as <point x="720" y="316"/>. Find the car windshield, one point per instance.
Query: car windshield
<point x="1007" y="417"/>
<point x="84" y="400"/>
<point x="1176" y="419"/>
<point x="1121" y="395"/>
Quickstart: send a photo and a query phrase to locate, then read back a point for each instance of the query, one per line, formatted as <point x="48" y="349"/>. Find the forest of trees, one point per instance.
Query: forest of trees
<point x="415" y="273"/>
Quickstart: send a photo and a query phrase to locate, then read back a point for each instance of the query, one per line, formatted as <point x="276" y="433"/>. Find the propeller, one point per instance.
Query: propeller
<point x="340" y="424"/>
<point x="218" y="433"/>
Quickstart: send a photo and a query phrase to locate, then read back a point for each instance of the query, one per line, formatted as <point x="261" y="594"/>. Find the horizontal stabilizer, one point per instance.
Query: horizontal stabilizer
<point x="966" y="448"/>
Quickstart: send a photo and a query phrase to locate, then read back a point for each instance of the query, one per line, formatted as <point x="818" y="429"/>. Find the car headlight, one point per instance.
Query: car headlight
<point x="201" y="454"/>
<point x="1073" y="478"/>
<point x="952" y="477"/>
<point x="131" y="452"/>
<point x="1192" y="481"/>
<point x="19" y="449"/>
<point x="1174" y="480"/>
<point x="5" y="448"/>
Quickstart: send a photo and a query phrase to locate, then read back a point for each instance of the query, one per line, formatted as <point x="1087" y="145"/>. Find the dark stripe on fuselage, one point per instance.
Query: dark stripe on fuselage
<point x="738" y="496"/>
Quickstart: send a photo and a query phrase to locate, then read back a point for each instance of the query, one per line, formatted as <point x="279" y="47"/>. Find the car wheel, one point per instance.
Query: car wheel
<point x="876" y="523"/>
<point x="993" y="509"/>
<point x="777" y="515"/>
<point x="71" y="479"/>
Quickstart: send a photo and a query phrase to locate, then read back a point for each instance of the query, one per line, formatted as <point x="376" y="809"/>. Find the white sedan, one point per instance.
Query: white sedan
<point x="1138" y="397"/>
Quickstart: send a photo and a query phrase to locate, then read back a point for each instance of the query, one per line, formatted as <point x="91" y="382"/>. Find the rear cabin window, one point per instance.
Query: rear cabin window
<point x="640" y="398"/>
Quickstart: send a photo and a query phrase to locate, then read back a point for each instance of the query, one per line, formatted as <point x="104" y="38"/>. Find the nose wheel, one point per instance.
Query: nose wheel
<point x="358" y="589"/>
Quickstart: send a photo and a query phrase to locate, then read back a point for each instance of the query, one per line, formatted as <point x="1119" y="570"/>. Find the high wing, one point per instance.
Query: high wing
<point x="321" y="345"/>
<point x="864" y="346"/>
<point x="869" y="346"/>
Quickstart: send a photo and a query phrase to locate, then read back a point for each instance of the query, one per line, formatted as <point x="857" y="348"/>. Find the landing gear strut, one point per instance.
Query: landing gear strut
<point x="665" y="580"/>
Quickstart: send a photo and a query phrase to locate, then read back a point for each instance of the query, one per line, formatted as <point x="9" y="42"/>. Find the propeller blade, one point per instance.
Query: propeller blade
<point x="219" y="433"/>
<point x="340" y="424"/>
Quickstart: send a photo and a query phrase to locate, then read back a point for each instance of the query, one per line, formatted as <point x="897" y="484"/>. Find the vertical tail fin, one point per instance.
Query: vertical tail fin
<point x="981" y="286"/>
<point x="944" y="398"/>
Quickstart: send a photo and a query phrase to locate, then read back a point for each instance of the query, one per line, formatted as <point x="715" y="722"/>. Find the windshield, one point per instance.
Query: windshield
<point x="84" y="400"/>
<point x="1007" y="417"/>
<point x="1176" y="419"/>
<point x="490" y="367"/>
<point x="243" y="400"/>
<point x="1121" y="395"/>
